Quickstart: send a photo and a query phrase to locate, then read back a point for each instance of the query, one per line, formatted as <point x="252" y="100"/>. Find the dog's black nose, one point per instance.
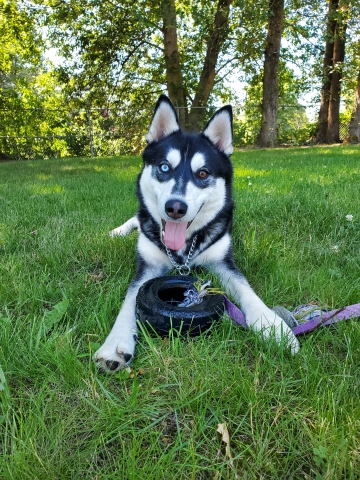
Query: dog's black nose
<point x="175" y="208"/>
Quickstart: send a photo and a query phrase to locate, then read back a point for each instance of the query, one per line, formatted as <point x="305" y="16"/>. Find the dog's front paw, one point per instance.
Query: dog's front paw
<point x="126" y="228"/>
<point x="119" y="232"/>
<point x="271" y="324"/>
<point x="284" y="334"/>
<point x="114" y="355"/>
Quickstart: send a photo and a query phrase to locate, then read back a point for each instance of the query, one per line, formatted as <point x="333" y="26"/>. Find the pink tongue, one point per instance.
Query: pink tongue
<point x="174" y="235"/>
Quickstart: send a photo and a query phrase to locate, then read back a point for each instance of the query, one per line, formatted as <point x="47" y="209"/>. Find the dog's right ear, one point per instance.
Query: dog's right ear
<point x="164" y="120"/>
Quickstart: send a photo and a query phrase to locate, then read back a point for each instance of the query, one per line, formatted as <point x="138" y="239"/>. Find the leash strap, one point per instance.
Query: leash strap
<point x="235" y="313"/>
<point x="327" y="318"/>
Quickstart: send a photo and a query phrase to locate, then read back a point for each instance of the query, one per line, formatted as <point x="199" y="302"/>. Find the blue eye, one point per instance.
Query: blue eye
<point x="164" y="167"/>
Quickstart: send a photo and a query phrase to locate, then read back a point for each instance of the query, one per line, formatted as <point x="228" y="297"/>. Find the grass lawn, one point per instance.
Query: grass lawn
<point x="62" y="280"/>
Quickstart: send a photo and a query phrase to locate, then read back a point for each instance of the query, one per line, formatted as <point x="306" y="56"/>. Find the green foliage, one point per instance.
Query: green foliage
<point x="30" y="97"/>
<point x="111" y="56"/>
<point x="34" y="112"/>
<point x="20" y="42"/>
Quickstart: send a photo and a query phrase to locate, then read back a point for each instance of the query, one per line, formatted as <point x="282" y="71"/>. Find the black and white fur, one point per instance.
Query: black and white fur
<point x="186" y="183"/>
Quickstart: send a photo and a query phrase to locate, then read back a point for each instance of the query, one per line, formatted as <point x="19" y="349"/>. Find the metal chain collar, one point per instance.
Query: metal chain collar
<point x="182" y="269"/>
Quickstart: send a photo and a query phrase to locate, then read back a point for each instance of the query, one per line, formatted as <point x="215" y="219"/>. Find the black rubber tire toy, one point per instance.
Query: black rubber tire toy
<point x="157" y="306"/>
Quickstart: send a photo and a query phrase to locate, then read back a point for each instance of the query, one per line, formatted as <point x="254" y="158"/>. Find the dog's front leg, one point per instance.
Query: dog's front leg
<point x="126" y="228"/>
<point x="119" y="347"/>
<point x="258" y="315"/>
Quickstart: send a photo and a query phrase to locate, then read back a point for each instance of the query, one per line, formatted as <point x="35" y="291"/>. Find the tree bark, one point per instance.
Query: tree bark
<point x="322" y="127"/>
<point x="328" y="128"/>
<point x="354" y="127"/>
<point x="269" y="109"/>
<point x="215" y="42"/>
<point x="174" y="79"/>
<point x="333" y="129"/>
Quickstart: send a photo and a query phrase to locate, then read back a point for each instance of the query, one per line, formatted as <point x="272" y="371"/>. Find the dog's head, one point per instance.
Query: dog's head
<point x="186" y="178"/>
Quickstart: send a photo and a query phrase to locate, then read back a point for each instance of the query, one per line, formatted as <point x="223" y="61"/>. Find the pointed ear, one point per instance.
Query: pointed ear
<point x="164" y="120"/>
<point x="219" y="130"/>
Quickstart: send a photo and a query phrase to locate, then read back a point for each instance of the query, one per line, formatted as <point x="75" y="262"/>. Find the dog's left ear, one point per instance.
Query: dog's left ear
<point x="219" y="130"/>
<point x="164" y="120"/>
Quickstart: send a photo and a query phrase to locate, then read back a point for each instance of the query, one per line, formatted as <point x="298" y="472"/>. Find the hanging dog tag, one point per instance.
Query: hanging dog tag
<point x="195" y="293"/>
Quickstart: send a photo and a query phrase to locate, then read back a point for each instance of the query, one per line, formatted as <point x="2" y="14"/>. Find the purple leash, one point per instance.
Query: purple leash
<point x="235" y="313"/>
<point x="327" y="318"/>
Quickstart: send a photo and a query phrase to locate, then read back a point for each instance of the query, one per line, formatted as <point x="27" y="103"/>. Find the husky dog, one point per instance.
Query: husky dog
<point x="185" y="217"/>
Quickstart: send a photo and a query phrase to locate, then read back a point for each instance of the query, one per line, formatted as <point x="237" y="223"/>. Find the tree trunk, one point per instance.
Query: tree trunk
<point x="354" y="128"/>
<point x="328" y="129"/>
<point x="174" y="80"/>
<point x="269" y="109"/>
<point x="215" y="42"/>
<point x="322" y="127"/>
<point x="333" y="130"/>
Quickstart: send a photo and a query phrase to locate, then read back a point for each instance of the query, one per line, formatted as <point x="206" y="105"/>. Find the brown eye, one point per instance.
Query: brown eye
<point x="203" y="174"/>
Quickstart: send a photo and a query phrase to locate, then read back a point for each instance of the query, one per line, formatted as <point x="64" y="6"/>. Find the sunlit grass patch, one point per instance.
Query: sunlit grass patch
<point x="48" y="189"/>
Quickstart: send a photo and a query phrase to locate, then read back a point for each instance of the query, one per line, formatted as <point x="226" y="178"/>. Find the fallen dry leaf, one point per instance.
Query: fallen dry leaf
<point x="97" y="277"/>
<point x="225" y="437"/>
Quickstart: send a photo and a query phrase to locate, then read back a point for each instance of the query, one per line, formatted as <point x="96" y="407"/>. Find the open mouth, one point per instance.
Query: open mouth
<point x="174" y="234"/>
